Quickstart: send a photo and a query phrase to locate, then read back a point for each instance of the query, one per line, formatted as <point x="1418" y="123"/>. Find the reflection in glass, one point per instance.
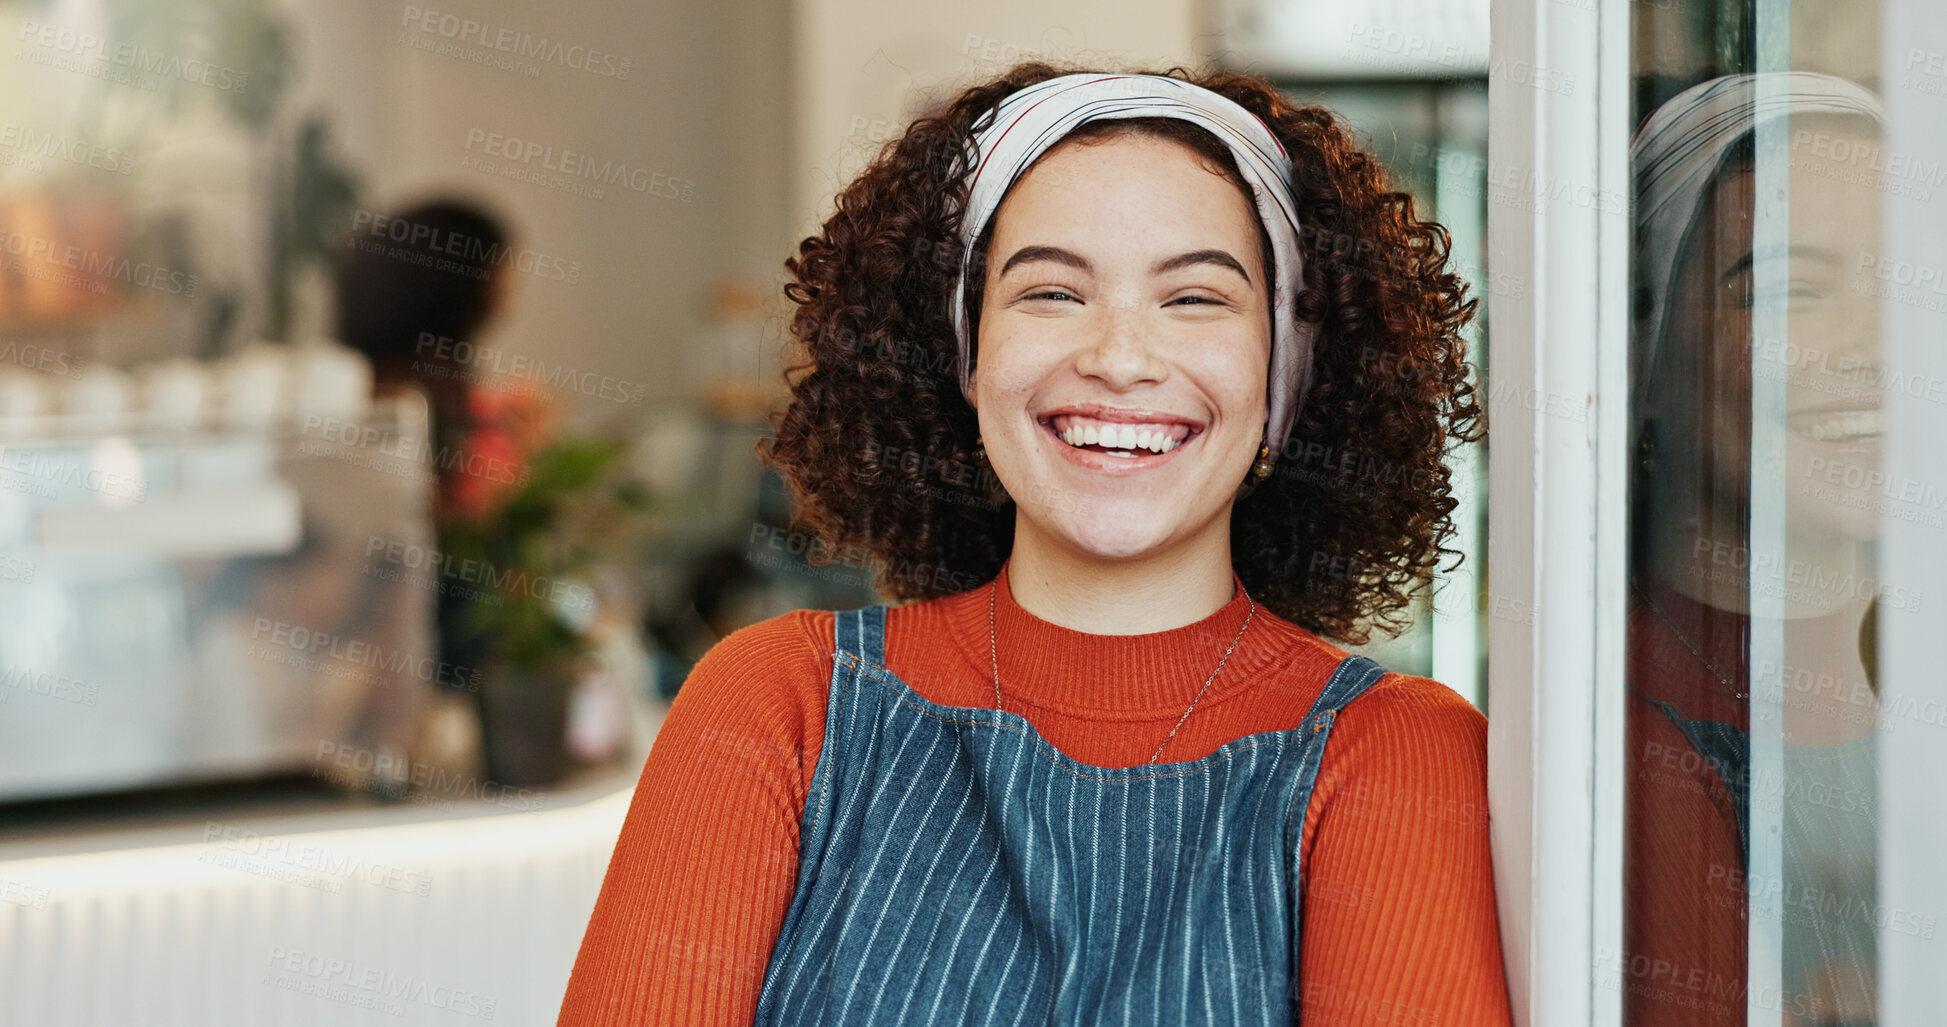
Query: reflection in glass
<point x="1699" y="577"/>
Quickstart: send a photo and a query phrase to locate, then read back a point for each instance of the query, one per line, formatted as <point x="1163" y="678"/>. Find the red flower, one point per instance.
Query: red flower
<point x="509" y="424"/>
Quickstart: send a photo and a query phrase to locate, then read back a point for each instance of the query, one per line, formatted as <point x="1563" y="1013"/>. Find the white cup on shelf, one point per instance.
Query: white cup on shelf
<point x="24" y="400"/>
<point x="98" y="400"/>
<point x="175" y="393"/>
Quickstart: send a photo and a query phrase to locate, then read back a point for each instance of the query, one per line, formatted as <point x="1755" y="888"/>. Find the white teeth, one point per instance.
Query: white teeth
<point x="1121" y="438"/>
<point x="1851" y="425"/>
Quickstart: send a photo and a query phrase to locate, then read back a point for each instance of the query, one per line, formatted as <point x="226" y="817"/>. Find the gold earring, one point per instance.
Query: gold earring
<point x="979" y="452"/>
<point x="1262" y="469"/>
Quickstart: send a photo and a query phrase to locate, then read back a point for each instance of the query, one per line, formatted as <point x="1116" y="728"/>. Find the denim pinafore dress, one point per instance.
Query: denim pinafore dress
<point x="956" y="868"/>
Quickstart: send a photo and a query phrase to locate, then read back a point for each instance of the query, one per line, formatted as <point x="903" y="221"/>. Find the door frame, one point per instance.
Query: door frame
<point x="1559" y="222"/>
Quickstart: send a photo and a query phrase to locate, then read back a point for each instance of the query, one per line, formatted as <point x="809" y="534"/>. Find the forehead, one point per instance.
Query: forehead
<point x="1130" y="184"/>
<point x="1834" y="168"/>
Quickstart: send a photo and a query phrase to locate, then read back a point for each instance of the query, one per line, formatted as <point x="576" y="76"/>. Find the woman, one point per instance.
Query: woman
<point x="415" y="290"/>
<point x="1710" y="326"/>
<point x="1139" y="386"/>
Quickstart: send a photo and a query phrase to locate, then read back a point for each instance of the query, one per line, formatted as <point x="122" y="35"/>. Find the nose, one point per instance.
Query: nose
<point x="1119" y="355"/>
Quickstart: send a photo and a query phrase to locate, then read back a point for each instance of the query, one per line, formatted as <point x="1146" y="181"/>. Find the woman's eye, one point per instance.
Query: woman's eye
<point x="1792" y="293"/>
<point x="1051" y="294"/>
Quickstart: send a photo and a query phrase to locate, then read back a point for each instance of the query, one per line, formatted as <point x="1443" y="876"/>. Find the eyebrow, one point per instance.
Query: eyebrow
<point x="1183" y="260"/>
<point x="1744" y="263"/>
<point x="1029" y="254"/>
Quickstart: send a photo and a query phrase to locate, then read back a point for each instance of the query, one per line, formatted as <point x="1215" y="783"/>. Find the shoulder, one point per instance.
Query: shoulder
<point x="1409" y="744"/>
<point x="763" y="664"/>
<point x="1416" y="721"/>
<point x="1398" y="712"/>
<point x="1418" y="706"/>
<point x="760" y="690"/>
<point x="795" y="640"/>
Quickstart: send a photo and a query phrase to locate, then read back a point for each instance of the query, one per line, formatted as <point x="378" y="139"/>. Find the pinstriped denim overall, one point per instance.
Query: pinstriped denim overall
<point x="956" y="868"/>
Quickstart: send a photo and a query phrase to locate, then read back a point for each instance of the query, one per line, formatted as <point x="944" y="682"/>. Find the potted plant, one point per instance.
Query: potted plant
<point x="522" y="554"/>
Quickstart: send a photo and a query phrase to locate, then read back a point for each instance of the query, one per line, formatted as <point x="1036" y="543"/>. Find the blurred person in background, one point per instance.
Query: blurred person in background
<point x="415" y="292"/>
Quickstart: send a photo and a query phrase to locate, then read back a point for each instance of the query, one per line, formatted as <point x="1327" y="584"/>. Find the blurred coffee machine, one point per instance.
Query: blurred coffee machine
<point x="187" y="591"/>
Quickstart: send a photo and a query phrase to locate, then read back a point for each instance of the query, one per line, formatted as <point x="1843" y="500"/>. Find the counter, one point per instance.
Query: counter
<point x="466" y="911"/>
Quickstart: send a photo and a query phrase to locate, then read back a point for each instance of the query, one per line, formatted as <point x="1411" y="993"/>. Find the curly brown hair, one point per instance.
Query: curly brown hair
<point x="876" y="440"/>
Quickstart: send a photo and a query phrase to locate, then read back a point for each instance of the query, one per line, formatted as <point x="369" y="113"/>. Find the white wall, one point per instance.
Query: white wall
<point x="703" y="101"/>
<point x="866" y="67"/>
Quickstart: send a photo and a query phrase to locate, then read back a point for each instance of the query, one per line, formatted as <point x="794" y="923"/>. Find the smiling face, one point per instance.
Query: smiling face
<point x="1829" y="356"/>
<point x="1124" y="337"/>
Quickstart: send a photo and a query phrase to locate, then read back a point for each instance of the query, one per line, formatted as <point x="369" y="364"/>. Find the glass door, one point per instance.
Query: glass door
<point x="1719" y="750"/>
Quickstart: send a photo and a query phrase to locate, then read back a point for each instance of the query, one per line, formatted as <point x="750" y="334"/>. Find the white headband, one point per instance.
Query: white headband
<point x="1030" y="121"/>
<point x="1676" y="151"/>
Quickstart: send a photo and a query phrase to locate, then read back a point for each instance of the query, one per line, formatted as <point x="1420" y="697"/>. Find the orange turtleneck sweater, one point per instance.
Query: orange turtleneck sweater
<point x="1400" y="923"/>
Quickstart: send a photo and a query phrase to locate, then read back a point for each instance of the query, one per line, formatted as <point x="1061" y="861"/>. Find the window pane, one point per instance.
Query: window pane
<point x="1756" y="382"/>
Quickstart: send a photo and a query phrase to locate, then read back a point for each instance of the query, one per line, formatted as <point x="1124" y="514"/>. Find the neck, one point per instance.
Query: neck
<point x="1084" y="592"/>
<point x="1712" y="565"/>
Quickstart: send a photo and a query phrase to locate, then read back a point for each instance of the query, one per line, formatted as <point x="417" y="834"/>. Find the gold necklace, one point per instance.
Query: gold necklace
<point x="993" y="652"/>
<point x="1658" y="611"/>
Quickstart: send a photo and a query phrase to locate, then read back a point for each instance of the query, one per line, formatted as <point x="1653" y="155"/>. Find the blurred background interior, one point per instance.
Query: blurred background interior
<point x="379" y="385"/>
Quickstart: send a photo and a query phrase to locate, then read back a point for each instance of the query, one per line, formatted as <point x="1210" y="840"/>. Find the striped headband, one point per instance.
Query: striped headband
<point x="1030" y="121"/>
<point x="1677" y="150"/>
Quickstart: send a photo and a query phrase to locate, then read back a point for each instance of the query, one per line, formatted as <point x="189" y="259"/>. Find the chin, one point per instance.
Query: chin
<point x="1115" y="530"/>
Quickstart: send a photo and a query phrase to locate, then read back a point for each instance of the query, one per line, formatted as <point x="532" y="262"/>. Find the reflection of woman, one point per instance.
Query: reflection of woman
<point x="1131" y="538"/>
<point x="1698" y="575"/>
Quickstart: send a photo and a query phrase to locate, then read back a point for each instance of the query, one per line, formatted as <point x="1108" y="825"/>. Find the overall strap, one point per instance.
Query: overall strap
<point x="1726" y="750"/>
<point x="1349" y="680"/>
<point x="861" y="633"/>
